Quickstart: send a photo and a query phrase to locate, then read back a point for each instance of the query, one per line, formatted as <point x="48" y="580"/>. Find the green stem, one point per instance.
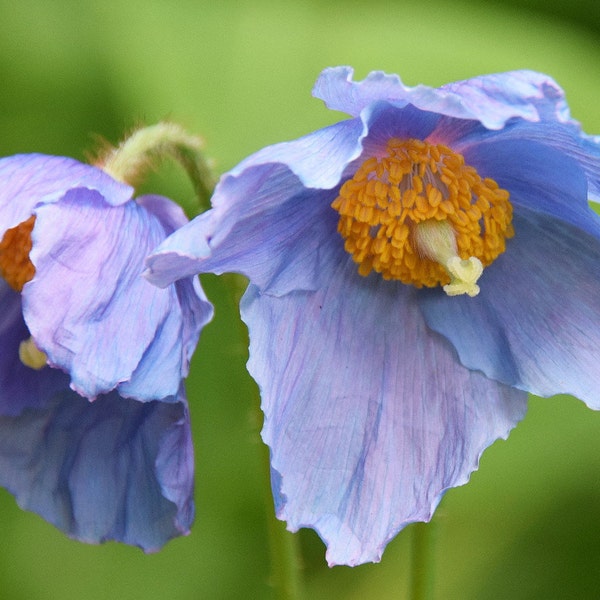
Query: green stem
<point x="139" y="152"/>
<point x="421" y="581"/>
<point x="283" y="546"/>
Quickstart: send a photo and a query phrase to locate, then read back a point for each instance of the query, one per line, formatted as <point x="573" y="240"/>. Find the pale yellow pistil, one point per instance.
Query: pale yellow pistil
<point x="31" y="356"/>
<point x="420" y="215"/>
<point x="437" y="241"/>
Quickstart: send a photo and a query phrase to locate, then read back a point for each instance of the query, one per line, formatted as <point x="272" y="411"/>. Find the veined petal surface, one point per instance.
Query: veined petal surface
<point x="535" y="323"/>
<point x="88" y="258"/>
<point x="368" y="415"/>
<point x="114" y="469"/>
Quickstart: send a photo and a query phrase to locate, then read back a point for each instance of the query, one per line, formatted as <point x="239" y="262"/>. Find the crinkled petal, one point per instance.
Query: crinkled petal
<point x="369" y="415"/>
<point x="115" y="469"/>
<point x="20" y="386"/>
<point x="89" y="309"/>
<point x="32" y="179"/>
<point x="534" y="324"/>
<point x="491" y="99"/>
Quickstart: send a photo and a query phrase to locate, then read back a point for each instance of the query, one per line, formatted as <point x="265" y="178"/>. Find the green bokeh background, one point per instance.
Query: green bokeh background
<point x="240" y="73"/>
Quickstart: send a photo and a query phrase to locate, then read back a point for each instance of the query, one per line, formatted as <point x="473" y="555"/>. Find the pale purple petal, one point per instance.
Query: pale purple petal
<point x="89" y="309"/>
<point x="534" y="324"/>
<point x="368" y="415"/>
<point x="196" y="310"/>
<point x="32" y="179"/>
<point x="114" y="469"/>
<point x="491" y="99"/>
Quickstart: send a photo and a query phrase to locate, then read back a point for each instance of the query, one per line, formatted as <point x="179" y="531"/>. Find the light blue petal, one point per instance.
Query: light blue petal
<point x="368" y="414"/>
<point x="318" y="159"/>
<point x="89" y="309"/>
<point x="539" y="178"/>
<point x="114" y="469"/>
<point x="32" y="179"/>
<point x="265" y="225"/>
<point x="20" y="386"/>
<point x="566" y="139"/>
<point x="491" y="99"/>
<point x="535" y="322"/>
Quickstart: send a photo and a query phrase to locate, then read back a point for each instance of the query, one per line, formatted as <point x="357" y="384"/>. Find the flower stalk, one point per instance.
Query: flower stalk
<point x="421" y="576"/>
<point x="139" y="152"/>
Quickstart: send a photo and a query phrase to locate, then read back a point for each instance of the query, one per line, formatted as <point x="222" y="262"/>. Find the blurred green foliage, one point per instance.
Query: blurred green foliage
<point x="240" y="73"/>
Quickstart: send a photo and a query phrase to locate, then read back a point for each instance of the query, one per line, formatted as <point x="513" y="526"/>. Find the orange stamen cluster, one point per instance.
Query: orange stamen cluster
<point x="388" y="197"/>
<point x="15" y="267"/>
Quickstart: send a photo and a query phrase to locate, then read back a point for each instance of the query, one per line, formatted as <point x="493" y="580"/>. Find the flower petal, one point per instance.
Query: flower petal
<point x="318" y="159"/>
<point x="490" y="99"/>
<point x="88" y="308"/>
<point x="534" y="324"/>
<point x="193" y="308"/>
<point x="20" y="386"/>
<point x="32" y="179"/>
<point x="539" y="178"/>
<point x="114" y="469"/>
<point x="265" y="225"/>
<point x="565" y="139"/>
<point x="368" y="414"/>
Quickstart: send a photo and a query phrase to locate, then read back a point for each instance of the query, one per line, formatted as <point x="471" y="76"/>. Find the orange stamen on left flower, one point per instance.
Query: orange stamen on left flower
<point x="15" y="267"/>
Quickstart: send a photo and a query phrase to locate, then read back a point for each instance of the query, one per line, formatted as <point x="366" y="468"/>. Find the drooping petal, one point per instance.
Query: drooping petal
<point x="89" y="309"/>
<point x="20" y="386"/>
<point x="32" y="179"/>
<point x="490" y="99"/>
<point x="114" y="469"/>
<point x="368" y="414"/>
<point x="534" y="324"/>
<point x="194" y="310"/>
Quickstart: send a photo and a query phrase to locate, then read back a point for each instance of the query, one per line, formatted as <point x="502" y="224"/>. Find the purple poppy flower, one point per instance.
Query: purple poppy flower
<point x="95" y="432"/>
<point x="414" y="271"/>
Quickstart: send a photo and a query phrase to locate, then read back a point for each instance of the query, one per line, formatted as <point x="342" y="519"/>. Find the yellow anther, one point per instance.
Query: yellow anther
<point x="15" y="267"/>
<point x="31" y="356"/>
<point x="422" y="216"/>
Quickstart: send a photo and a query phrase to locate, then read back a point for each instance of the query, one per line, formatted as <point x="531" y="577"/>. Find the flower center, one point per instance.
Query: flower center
<point x="421" y="216"/>
<point x="15" y="267"/>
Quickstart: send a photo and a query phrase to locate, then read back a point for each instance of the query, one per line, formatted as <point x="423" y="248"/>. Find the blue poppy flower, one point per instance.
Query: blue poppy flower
<point x="414" y="271"/>
<point x="95" y="433"/>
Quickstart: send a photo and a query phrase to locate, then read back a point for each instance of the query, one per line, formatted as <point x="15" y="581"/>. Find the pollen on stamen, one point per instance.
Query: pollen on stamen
<point x="382" y="206"/>
<point x="15" y="266"/>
